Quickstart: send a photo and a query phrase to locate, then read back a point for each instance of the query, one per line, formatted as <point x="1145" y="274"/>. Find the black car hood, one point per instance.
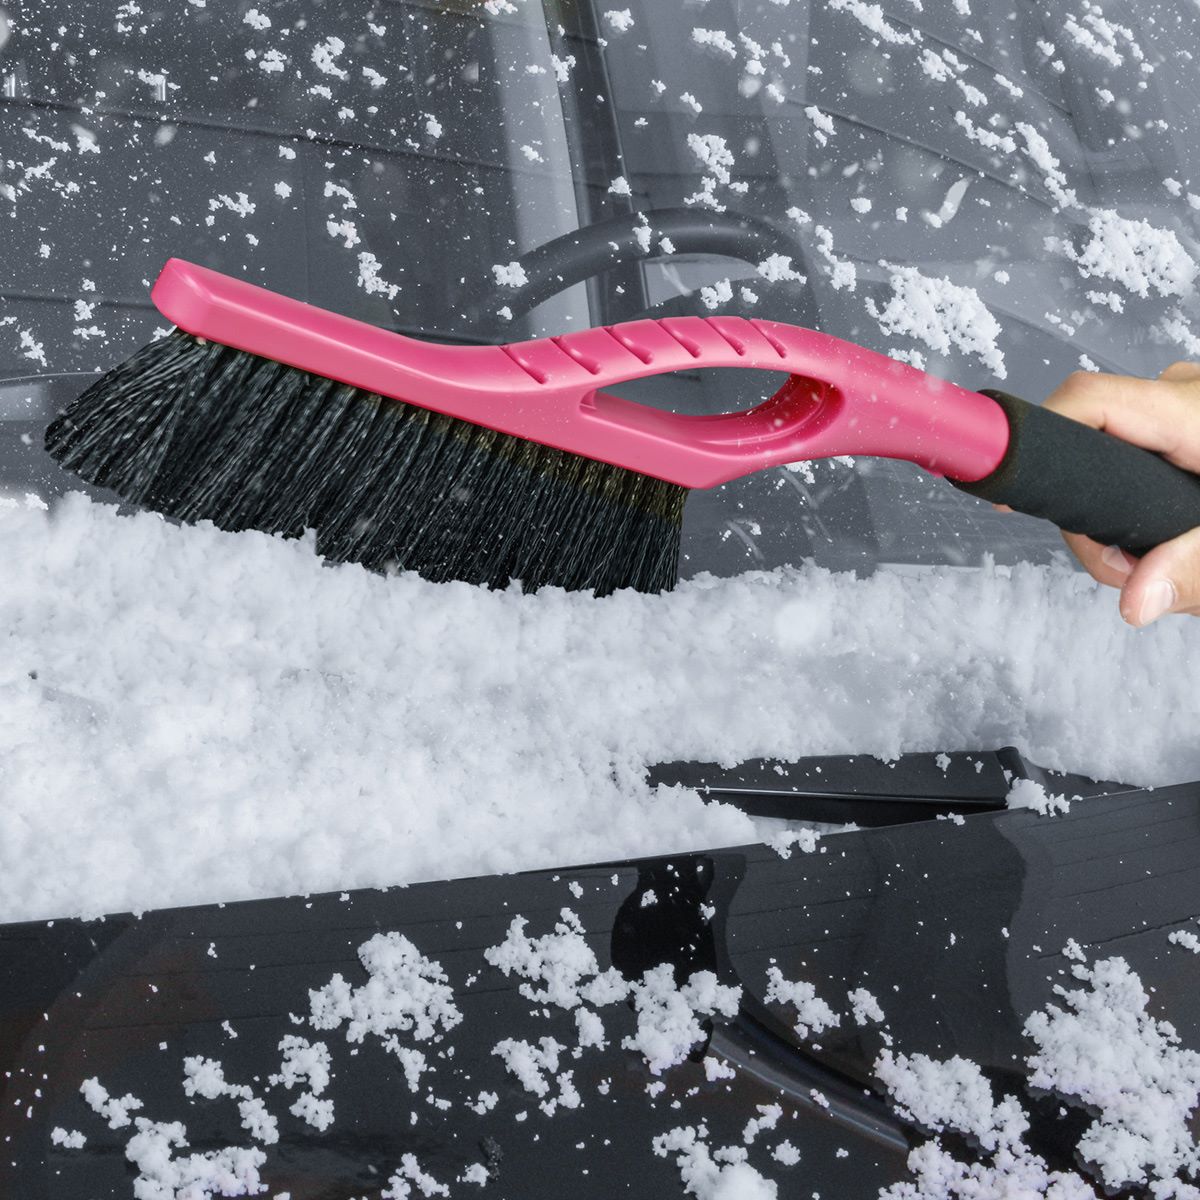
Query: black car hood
<point x="957" y="928"/>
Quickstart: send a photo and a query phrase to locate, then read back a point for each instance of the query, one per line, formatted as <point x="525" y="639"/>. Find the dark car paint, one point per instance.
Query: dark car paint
<point x="126" y="998"/>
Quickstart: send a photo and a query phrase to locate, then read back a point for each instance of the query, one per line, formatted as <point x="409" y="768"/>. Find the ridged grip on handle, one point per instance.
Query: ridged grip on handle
<point x="1087" y="481"/>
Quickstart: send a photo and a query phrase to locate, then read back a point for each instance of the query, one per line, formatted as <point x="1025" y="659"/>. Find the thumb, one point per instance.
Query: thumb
<point x="1166" y="580"/>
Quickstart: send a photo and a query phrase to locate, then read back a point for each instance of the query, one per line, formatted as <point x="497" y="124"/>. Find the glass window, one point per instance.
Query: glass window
<point x="998" y="193"/>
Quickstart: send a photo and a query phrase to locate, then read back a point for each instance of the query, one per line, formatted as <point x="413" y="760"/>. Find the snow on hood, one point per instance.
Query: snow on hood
<point x="194" y="716"/>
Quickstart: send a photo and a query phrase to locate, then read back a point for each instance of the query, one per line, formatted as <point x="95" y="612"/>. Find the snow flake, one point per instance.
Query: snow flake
<point x="942" y="314"/>
<point x="510" y="274"/>
<point x="325" y="55"/>
<point x="813" y="1015"/>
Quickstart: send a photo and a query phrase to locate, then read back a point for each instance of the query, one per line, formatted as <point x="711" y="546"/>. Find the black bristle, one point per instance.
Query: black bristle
<point x="198" y="431"/>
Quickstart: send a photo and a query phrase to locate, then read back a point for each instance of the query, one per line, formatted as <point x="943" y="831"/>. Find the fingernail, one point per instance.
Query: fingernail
<point x="1115" y="557"/>
<point x="1158" y="598"/>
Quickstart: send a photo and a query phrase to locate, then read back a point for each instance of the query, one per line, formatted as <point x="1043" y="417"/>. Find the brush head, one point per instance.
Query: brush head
<point x="198" y="431"/>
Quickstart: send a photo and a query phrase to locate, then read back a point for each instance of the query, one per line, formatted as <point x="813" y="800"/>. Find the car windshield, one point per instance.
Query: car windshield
<point x="998" y="194"/>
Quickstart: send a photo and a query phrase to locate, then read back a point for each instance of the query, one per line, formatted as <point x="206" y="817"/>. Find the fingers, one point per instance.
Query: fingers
<point x="1162" y="415"/>
<point x="1105" y="564"/>
<point x="1167" y="580"/>
<point x="1181" y="372"/>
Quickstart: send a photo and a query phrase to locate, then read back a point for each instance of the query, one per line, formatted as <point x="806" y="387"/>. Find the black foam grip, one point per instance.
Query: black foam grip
<point x="1086" y="481"/>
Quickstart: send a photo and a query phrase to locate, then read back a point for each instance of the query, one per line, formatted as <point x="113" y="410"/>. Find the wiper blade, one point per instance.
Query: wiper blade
<point x="869" y="791"/>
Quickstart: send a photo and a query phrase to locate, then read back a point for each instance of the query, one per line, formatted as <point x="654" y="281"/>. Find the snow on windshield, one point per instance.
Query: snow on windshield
<point x="196" y="716"/>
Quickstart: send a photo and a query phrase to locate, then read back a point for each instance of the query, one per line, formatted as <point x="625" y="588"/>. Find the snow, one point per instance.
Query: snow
<point x="114" y="1111"/>
<point x="777" y="267"/>
<point x="950" y="204"/>
<point x="786" y="1154"/>
<point x="807" y="839"/>
<point x="1101" y="1049"/>
<point x="1104" y="1047"/>
<point x="562" y="961"/>
<point x="370" y="279"/>
<point x="716" y="39"/>
<point x="179" y="669"/>
<point x="812" y="1014"/>
<point x="405" y="993"/>
<point x="712" y="296"/>
<point x="229" y="1172"/>
<point x="1185" y="938"/>
<point x="510" y="274"/>
<point x="723" y="1174"/>
<point x="530" y="1063"/>
<point x="242" y="206"/>
<point x="325" y="55"/>
<point x="400" y="1186"/>
<point x="768" y="1118"/>
<point x="1135" y="254"/>
<point x="306" y="1062"/>
<point x="1037" y="150"/>
<point x="942" y="314"/>
<point x="865" y="1007"/>
<point x="1028" y="793"/>
<point x="620" y="20"/>
<point x="668" y="1016"/>
<point x="715" y="156"/>
<point x="206" y="1078"/>
<point x="871" y="18"/>
<point x="822" y="124"/>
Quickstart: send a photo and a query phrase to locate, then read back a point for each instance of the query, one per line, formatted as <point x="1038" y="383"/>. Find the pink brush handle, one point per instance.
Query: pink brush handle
<point x="840" y="399"/>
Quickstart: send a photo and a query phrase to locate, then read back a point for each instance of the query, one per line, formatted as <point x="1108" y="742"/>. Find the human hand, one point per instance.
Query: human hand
<point x="1162" y="415"/>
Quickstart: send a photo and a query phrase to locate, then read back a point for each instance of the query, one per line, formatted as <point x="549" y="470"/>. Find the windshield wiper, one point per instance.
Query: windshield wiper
<point x="868" y="791"/>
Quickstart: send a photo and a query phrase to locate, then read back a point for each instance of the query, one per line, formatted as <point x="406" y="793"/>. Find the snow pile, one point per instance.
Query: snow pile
<point x="410" y="1175"/>
<point x="941" y="314"/>
<point x="510" y="274"/>
<point x="196" y="716"/>
<point x="669" y="1017"/>
<point x="813" y="1015"/>
<point x="306" y="1062"/>
<point x="1103" y="1048"/>
<point x="230" y="1171"/>
<point x="865" y="1007"/>
<point x="1100" y="1050"/>
<point x="404" y="990"/>
<point x="205" y="1077"/>
<point x="955" y="1095"/>
<point x="1027" y="793"/>
<point x="530" y="1063"/>
<point x="721" y="1174"/>
<point x="562" y="961"/>
<point x="1134" y="254"/>
<point x="717" y="159"/>
<point x="405" y="993"/>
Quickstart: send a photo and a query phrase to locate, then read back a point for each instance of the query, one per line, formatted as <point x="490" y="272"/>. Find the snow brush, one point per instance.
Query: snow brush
<point x="493" y="463"/>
